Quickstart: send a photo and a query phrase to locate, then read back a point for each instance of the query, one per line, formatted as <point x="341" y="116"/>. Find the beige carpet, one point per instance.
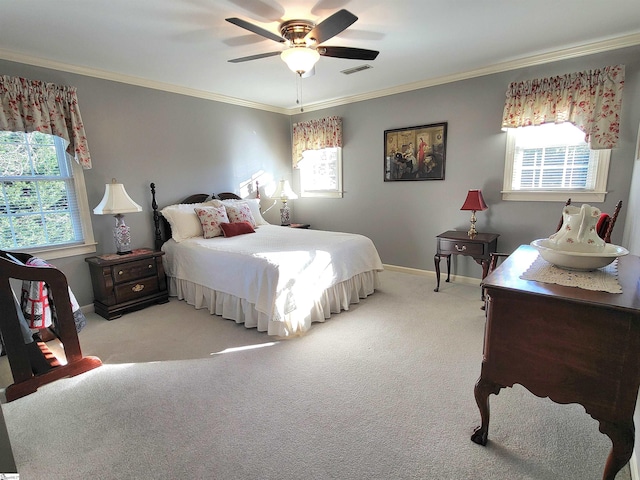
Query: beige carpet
<point x="384" y="391"/>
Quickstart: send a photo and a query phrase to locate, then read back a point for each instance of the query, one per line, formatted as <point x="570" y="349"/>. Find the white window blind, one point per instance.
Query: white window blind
<point x="551" y="161"/>
<point x="39" y="202"/>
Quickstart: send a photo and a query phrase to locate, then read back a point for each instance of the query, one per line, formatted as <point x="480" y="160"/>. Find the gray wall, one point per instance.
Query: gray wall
<point x="403" y="218"/>
<point x="186" y="145"/>
<point x="183" y="144"/>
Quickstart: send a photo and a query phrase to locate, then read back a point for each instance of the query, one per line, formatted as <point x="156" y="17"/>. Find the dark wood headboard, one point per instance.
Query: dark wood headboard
<point x="162" y="229"/>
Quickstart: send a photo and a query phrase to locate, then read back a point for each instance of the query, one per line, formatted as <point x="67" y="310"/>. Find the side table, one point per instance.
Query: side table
<point x="124" y="282"/>
<point x="453" y="242"/>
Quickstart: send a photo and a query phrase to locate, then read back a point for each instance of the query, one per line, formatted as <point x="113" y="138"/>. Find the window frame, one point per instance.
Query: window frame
<point x="553" y="195"/>
<point x="84" y="213"/>
<point x="323" y="193"/>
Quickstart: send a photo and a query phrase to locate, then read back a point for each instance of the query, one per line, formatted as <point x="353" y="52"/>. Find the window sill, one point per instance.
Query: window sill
<point x="60" y="252"/>
<point x="553" y="196"/>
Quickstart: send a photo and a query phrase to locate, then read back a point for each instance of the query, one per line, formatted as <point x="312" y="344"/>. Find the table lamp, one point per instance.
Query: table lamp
<point x="474" y="202"/>
<point x="117" y="202"/>
<point x="284" y="193"/>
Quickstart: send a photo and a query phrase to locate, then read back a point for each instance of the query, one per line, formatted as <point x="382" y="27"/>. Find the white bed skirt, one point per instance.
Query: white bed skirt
<point x="333" y="300"/>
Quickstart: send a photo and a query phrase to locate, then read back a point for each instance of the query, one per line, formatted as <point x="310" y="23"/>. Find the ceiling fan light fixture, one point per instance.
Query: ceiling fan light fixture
<point x="300" y="59"/>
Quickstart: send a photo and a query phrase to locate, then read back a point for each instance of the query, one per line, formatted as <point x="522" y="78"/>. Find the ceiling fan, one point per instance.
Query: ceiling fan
<point x="303" y="39"/>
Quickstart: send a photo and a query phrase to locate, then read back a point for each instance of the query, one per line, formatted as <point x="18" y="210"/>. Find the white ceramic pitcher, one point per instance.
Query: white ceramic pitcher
<point x="578" y="231"/>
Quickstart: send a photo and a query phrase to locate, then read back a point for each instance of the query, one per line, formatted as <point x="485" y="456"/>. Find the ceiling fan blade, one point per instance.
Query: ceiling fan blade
<point x="254" y="57"/>
<point x="255" y="29"/>
<point x="348" y="52"/>
<point x="331" y="26"/>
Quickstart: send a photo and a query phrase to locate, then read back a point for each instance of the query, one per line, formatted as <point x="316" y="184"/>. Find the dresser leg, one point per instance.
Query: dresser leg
<point x="622" y="437"/>
<point x="482" y="390"/>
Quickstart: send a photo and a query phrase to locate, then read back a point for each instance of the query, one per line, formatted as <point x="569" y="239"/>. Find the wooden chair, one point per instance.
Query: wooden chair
<point x="25" y="381"/>
<point x="604" y="227"/>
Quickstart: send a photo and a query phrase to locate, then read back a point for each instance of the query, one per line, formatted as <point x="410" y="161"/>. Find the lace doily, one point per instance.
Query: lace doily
<point x="603" y="279"/>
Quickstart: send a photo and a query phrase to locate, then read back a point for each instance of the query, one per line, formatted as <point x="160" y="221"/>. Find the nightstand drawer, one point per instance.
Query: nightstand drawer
<point x="460" y="247"/>
<point x="133" y="270"/>
<point x="136" y="289"/>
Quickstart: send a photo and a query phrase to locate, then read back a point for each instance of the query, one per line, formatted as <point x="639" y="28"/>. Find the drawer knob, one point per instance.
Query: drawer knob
<point x="120" y="272"/>
<point x="461" y="249"/>
<point x="150" y="266"/>
<point x="137" y="287"/>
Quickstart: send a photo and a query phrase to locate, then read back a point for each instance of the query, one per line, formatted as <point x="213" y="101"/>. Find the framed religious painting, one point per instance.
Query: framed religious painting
<point x="415" y="153"/>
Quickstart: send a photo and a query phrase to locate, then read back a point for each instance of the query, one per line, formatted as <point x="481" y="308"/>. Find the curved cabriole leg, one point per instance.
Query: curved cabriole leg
<point x="482" y="390"/>
<point x="622" y="437"/>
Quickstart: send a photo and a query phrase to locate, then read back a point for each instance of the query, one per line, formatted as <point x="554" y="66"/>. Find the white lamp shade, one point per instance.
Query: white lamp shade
<point x="284" y="191"/>
<point x="300" y="59"/>
<point x="116" y="201"/>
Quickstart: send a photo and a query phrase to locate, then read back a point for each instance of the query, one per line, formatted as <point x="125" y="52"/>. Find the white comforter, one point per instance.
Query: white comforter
<point x="283" y="273"/>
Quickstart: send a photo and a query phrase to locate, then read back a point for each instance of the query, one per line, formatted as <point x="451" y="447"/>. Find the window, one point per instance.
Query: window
<point x="43" y="205"/>
<point x="552" y="162"/>
<point x="321" y="173"/>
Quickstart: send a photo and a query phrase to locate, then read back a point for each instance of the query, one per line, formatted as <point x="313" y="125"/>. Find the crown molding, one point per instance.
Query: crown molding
<point x="564" y="54"/>
<point x="131" y="80"/>
<point x="582" y="50"/>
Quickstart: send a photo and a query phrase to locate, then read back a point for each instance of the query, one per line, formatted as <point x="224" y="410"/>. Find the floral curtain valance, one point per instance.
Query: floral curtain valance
<point x="31" y="105"/>
<point x="315" y="135"/>
<point x="591" y="100"/>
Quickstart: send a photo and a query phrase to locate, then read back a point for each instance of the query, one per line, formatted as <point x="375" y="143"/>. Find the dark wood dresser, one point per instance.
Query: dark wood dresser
<point x="127" y="282"/>
<point x="567" y="343"/>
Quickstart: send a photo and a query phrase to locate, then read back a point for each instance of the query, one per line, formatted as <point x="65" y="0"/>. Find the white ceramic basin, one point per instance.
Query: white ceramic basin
<point x="578" y="260"/>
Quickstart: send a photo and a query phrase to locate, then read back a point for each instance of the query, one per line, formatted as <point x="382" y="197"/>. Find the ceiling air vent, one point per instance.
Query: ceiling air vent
<point x="349" y="71"/>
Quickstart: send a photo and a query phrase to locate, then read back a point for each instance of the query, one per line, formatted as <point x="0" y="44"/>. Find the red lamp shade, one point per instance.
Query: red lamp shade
<point x="474" y="201"/>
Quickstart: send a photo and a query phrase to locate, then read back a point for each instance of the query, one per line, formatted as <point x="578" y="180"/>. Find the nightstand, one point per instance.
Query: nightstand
<point x="298" y="225"/>
<point x="452" y="242"/>
<point x="127" y="282"/>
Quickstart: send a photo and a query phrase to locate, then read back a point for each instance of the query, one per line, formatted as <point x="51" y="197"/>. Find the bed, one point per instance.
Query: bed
<point x="279" y="280"/>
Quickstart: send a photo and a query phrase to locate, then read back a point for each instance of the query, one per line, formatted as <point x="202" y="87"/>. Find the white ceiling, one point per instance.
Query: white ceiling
<point x="184" y="45"/>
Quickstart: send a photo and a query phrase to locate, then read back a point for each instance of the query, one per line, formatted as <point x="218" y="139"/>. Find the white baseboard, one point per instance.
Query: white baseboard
<point x="633" y="466"/>
<point x="429" y="273"/>
<point x="87" y="309"/>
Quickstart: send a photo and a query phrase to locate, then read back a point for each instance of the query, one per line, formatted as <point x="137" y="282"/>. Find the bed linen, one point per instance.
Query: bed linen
<point x="277" y="279"/>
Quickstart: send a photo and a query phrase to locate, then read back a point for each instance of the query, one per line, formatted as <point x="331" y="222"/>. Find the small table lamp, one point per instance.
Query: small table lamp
<point x="117" y="202"/>
<point x="474" y="202"/>
<point x="285" y="193"/>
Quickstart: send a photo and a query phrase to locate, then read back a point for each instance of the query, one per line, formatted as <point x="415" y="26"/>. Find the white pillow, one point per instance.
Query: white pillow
<point x="254" y="205"/>
<point x="183" y="220"/>
<point x="211" y="218"/>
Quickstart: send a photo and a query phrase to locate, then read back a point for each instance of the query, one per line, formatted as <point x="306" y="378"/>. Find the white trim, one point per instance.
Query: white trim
<point x="633" y="466"/>
<point x="62" y="252"/>
<point x="328" y="193"/>
<point x="637" y="157"/>
<point x="598" y="194"/>
<point x="83" y="204"/>
<point x="429" y="273"/>
<point x="582" y="50"/>
<point x="553" y="196"/>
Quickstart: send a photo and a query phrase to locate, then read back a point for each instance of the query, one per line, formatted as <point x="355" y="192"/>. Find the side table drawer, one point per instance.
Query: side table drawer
<point x="136" y="289"/>
<point x="460" y="247"/>
<point x="133" y="270"/>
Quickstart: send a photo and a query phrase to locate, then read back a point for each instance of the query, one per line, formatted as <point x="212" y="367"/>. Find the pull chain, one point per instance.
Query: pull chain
<point x="299" y="91"/>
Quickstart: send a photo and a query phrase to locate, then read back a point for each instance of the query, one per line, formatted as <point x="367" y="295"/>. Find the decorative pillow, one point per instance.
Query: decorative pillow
<point x="254" y="205"/>
<point x="240" y="212"/>
<point x="236" y="228"/>
<point x="183" y="220"/>
<point x="210" y="219"/>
